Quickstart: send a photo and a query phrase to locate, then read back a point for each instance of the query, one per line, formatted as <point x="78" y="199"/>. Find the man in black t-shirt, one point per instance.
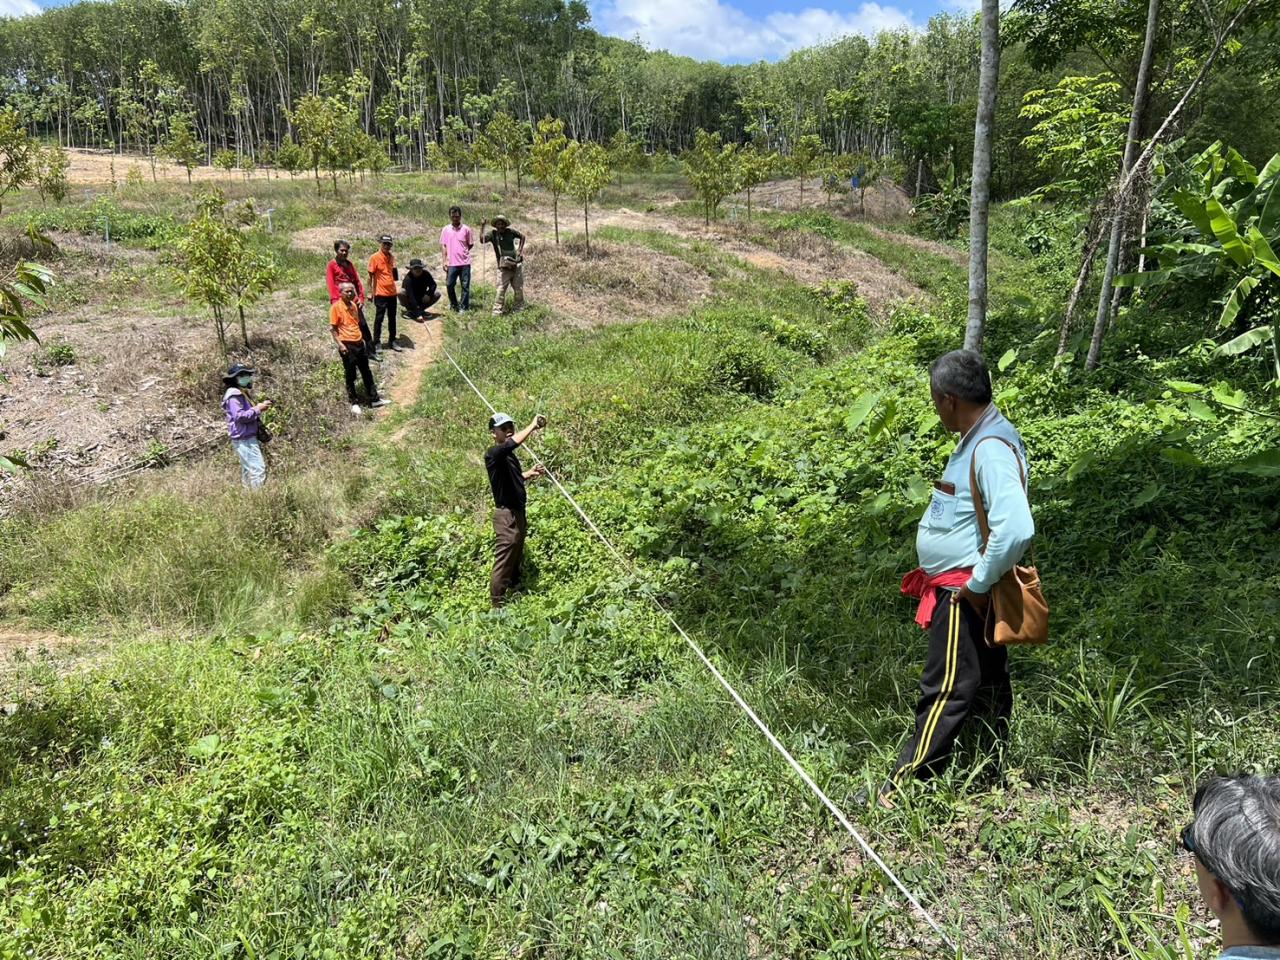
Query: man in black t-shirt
<point x="418" y="291"/>
<point x="507" y="478"/>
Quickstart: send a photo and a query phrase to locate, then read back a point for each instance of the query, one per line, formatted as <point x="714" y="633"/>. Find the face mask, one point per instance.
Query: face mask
<point x="245" y="382"/>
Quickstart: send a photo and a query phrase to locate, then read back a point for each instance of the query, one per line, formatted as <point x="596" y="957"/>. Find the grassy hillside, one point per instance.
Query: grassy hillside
<point x="364" y="761"/>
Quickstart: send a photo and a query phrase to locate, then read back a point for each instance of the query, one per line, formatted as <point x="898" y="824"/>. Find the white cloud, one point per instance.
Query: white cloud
<point x="714" y="30"/>
<point x="18" y="8"/>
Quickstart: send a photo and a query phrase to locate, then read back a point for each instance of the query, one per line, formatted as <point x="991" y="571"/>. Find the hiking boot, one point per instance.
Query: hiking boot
<point x="373" y="356"/>
<point x="381" y="402"/>
<point x="392" y="345"/>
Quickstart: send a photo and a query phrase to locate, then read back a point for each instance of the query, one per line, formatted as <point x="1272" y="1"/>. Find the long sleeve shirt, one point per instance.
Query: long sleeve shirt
<point x="948" y="537"/>
<point x="343" y="273"/>
<point x="242" y="418"/>
<point x="418" y="288"/>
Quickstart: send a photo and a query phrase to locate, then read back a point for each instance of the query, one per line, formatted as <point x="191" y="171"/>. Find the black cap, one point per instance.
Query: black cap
<point x="415" y="262"/>
<point x="235" y="370"/>
<point x="385" y="238"/>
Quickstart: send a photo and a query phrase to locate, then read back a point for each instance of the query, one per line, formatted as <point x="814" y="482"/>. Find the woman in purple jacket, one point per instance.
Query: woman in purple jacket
<point x="243" y="421"/>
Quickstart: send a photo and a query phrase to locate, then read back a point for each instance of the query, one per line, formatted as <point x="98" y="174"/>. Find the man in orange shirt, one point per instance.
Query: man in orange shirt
<point x="382" y="279"/>
<point x="344" y="324"/>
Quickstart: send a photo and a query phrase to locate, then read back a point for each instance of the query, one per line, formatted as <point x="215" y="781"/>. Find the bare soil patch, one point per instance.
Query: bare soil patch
<point x="806" y="257"/>
<point x="361" y="226"/>
<point x="95" y="166"/>
<point x="885" y="201"/>
<point x="611" y="283"/>
<point x="813" y="259"/>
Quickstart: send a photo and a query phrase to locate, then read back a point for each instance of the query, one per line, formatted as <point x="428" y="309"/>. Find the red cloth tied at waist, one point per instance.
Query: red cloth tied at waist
<point x="917" y="583"/>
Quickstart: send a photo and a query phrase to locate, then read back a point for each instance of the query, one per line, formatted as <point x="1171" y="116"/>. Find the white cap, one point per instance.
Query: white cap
<point x="499" y="420"/>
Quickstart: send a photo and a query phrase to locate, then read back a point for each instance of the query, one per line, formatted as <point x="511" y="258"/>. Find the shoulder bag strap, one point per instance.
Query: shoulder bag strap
<point x="976" y="492"/>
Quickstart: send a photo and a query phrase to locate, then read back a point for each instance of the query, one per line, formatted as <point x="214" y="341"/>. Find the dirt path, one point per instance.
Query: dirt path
<point x="19" y="648"/>
<point x="420" y="352"/>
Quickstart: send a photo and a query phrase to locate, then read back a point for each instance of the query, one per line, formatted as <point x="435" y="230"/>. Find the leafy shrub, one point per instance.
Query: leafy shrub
<point x="942" y="214"/>
<point x="797" y="336"/>
<point x="57" y="353"/>
<point x="840" y="298"/>
<point x="745" y="366"/>
<point x="105" y="218"/>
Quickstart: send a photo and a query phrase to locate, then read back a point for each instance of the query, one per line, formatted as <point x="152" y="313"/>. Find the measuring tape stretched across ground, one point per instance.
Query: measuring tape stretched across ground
<point x="800" y="771"/>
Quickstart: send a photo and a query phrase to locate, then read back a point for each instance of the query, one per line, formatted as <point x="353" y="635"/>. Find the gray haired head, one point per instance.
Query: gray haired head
<point x="961" y="374"/>
<point x="1236" y="836"/>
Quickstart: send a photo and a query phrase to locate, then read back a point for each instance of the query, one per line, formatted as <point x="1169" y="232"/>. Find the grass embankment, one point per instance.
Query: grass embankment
<point x="426" y="778"/>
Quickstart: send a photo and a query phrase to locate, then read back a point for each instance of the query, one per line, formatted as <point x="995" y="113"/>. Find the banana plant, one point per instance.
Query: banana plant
<point x="1231" y="235"/>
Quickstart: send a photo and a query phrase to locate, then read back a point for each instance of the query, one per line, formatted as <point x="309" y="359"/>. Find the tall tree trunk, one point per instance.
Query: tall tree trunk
<point x="1119" y="210"/>
<point x="980" y="193"/>
<point x="586" y="226"/>
<point x="555" y="214"/>
<point x="244" y="331"/>
<point x="1092" y="240"/>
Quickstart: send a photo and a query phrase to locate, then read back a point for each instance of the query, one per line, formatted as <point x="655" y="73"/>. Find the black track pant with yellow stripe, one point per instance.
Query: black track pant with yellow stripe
<point x="962" y="676"/>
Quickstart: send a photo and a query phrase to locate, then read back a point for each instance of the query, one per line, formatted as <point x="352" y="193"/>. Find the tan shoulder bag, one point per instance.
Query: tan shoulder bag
<point x="1018" y="612"/>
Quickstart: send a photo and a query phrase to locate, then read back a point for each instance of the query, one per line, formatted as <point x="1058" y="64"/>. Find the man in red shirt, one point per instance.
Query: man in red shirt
<point x="382" y="277"/>
<point x="343" y="270"/>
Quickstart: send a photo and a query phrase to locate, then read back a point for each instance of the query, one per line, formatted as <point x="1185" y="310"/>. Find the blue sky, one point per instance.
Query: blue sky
<point x="736" y="31"/>
<point x="732" y="31"/>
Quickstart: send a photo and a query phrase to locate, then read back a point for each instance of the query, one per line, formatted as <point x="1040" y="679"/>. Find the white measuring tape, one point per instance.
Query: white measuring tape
<point x="720" y="678"/>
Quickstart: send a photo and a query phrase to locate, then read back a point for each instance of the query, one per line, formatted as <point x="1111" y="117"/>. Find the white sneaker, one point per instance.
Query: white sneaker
<point x="355" y="408"/>
<point x="381" y="402"/>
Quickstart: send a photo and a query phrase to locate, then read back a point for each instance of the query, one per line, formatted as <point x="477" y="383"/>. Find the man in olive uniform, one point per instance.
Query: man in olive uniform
<point x="508" y="247"/>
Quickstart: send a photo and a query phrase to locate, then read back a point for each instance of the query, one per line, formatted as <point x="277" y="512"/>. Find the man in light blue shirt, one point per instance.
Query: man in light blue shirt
<point x="1235" y="839"/>
<point x="962" y="675"/>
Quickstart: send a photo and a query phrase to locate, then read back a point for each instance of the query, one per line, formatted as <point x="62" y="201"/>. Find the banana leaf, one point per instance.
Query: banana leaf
<point x="1269" y="201"/>
<point x="1224" y="228"/>
<point x="1237" y="299"/>
<point x="1246" y="341"/>
<point x="1194" y="211"/>
<point x="1145" y="278"/>
<point x="1263" y="252"/>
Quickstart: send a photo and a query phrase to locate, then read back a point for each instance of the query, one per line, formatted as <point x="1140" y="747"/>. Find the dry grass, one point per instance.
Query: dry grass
<point x="612" y="282"/>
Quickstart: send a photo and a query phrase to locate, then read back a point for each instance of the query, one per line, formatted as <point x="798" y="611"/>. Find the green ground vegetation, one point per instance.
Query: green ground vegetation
<point x="353" y="757"/>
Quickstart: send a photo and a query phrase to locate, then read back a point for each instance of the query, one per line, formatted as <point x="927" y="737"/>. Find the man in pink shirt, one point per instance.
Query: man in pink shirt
<point x="456" y="241"/>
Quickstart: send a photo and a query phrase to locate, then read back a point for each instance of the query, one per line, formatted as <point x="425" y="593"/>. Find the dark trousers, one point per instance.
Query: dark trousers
<point x="962" y="676"/>
<point x="416" y="309"/>
<point x="510" y="527"/>
<point x="364" y="327"/>
<point x="384" y="306"/>
<point x="454" y="275"/>
<point x="357" y="358"/>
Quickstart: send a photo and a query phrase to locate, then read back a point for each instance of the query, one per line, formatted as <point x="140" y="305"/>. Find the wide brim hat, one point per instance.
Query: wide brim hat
<point x="234" y="371"/>
<point x="500" y="219"/>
